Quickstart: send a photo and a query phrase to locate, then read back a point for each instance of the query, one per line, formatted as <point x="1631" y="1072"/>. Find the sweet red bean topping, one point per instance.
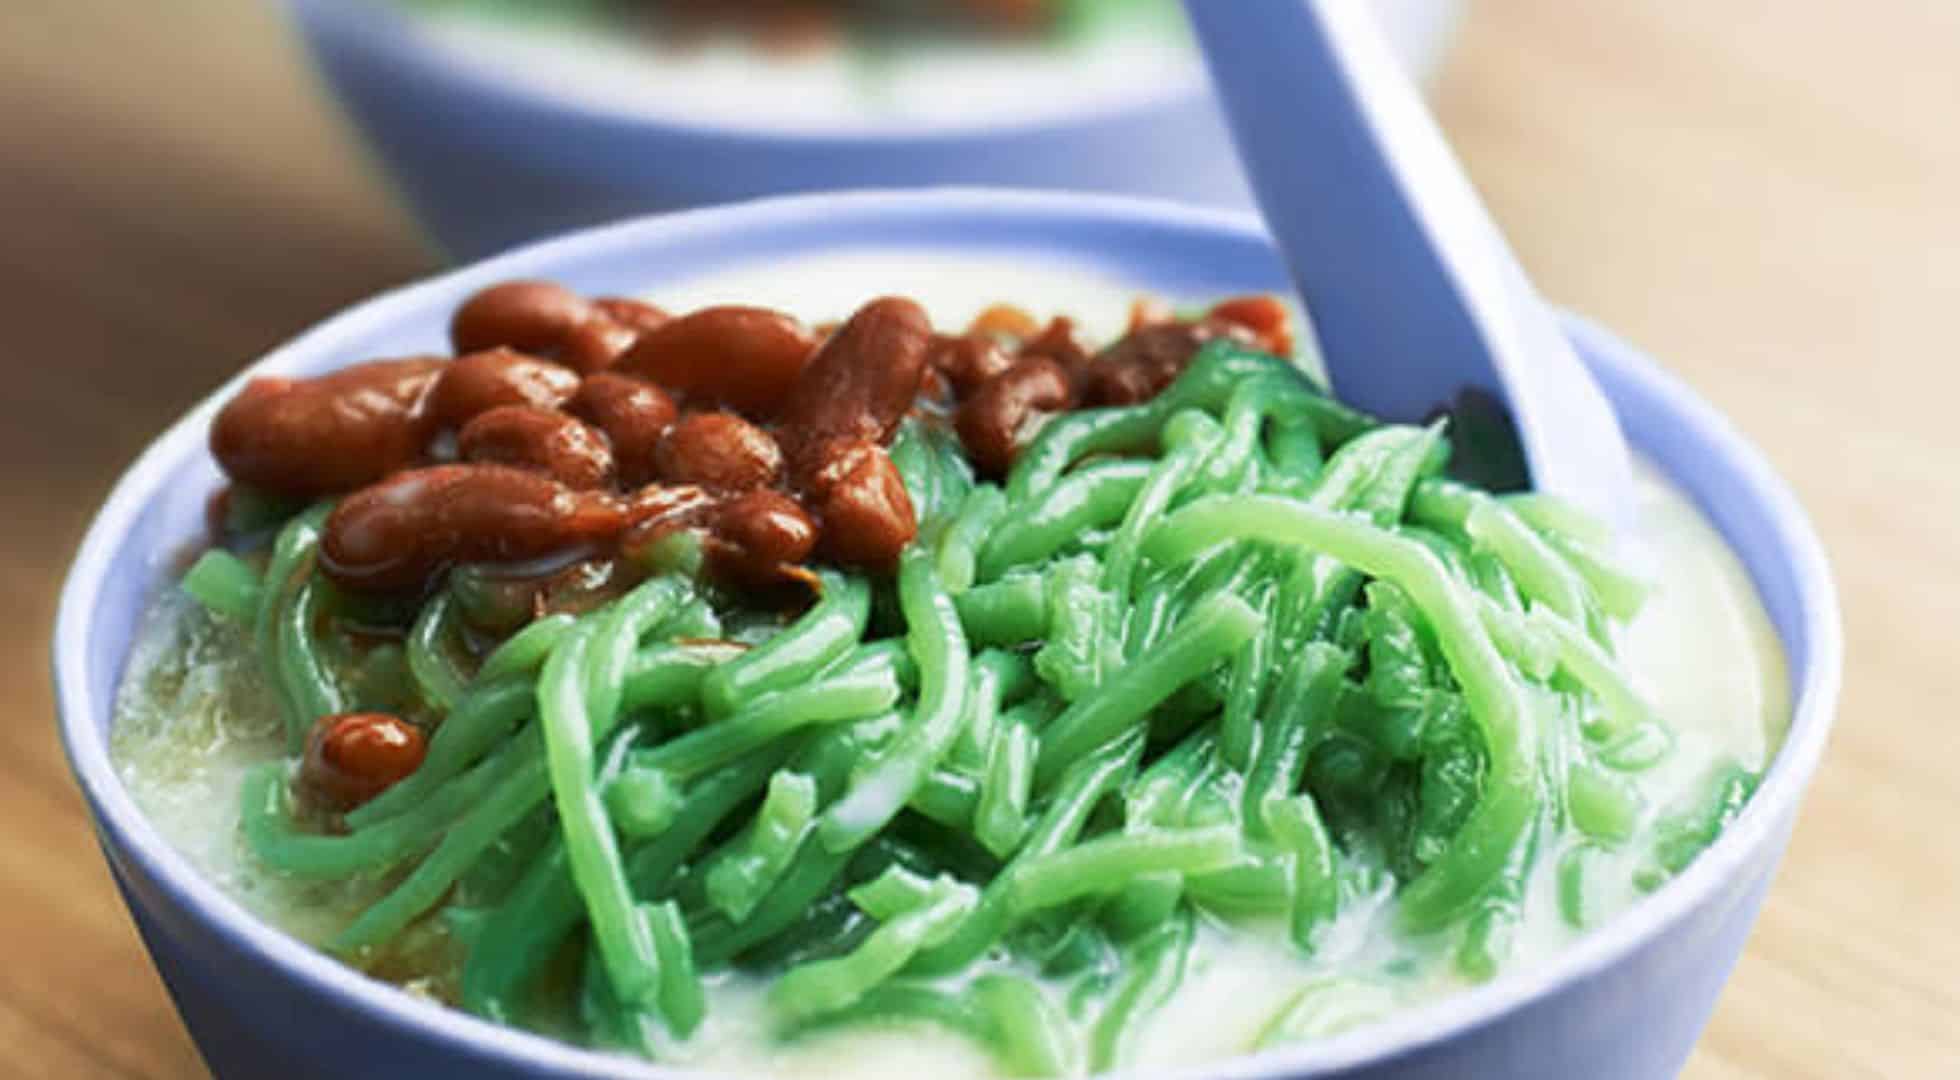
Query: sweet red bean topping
<point x="304" y="438"/>
<point x="1138" y="367"/>
<point x="529" y="316"/>
<point x="633" y="413"/>
<point x="399" y="534"/>
<point x="863" y="380"/>
<point x="659" y="512"/>
<point x="660" y="505"/>
<point x="594" y="345"/>
<point x="967" y="361"/>
<point x="757" y="538"/>
<point x="560" y="446"/>
<point x="719" y="451"/>
<point x="352" y="757"/>
<point x="1060" y="342"/>
<point x="575" y="462"/>
<point x="742" y="357"/>
<point x="635" y="315"/>
<point x="867" y="517"/>
<point x="993" y="421"/>
<point x="482" y="381"/>
<point x="1265" y="318"/>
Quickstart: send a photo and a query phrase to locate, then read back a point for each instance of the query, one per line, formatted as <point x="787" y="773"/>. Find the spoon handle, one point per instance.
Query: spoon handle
<point x="1412" y="291"/>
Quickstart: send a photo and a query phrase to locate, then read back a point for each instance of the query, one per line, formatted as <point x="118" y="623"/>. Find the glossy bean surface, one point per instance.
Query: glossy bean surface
<point x="548" y="441"/>
<point x="400" y="533"/>
<point x="303" y="438"/>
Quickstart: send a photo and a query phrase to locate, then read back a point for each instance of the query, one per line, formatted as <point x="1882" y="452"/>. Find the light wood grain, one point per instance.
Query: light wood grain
<point x="1765" y="193"/>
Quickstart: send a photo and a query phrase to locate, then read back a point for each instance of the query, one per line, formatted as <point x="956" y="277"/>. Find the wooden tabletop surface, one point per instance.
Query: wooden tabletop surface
<point x="1764" y="193"/>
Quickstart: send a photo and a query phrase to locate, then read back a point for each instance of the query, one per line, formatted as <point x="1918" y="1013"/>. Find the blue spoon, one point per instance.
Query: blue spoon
<point x="1413" y="293"/>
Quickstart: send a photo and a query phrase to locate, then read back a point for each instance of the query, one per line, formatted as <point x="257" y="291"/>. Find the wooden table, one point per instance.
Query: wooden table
<point x="1764" y="192"/>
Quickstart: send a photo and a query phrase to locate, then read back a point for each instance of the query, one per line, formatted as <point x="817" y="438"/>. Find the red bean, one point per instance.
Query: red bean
<point x="401" y="533"/>
<point x="352" y="757"/>
<point x="484" y="380"/>
<point x="967" y="361"/>
<point x="659" y="511"/>
<point x="1060" y="342"/>
<point x="661" y="504"/>
<point x="742" y="357"/>
<point x="594" y="345"/>
<point x="1143" y="362"/>
<point x="992" y="422"/>
<point x="304" y="438"/>
<point x="636" y="315"/>
<point x="866" y="515"/>
<point x="757" y="538"/>
<point x="1264" y="317"/>
<point x="634" y="414"/>
<point x="529" y="316"/>
<point x="863" y="380"/>
<point x="560" y="446"/>
<point x="719" y="451"/>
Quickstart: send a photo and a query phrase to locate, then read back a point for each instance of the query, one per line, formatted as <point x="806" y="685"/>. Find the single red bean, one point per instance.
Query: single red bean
<point x="659" y="511"/>
<point x="1264" y="317"/>
<point x="560" y="446"/>
<point x="401" y="533"/>
<point x="968" y="360"/>
<point x="743" y="357"/>
<point x="660" y="504"/>
<point x="634" y="414"/>
<point x="615" y="325"/>
<point x="636" y="315"/>
<point x="1060" y="342"/>
<point x="594" y="345"/>
<point x="720" y="451"/>
<point x="1139" y="366"/>
<point x="304" y="438"/>
<point x="529" y="316"/>
<point x="863" y="380"/>
<point x="866" y="515"/>
<point x="484" y="380"/>
<point x="757" y="537"/>
<point x="994" y="419"/>
<point x="352" y="757"/>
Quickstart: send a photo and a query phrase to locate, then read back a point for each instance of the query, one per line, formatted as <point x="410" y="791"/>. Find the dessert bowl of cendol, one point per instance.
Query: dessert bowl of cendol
<point x="952" y="631"/>
<point x="501" y="121"/>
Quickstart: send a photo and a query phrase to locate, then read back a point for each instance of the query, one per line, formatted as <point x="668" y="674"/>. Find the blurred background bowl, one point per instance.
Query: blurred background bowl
<point x="1626" y="1002"/>
<point x="487" y="153"/>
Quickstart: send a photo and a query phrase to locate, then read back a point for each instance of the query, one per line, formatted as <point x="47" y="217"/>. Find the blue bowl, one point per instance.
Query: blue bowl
<point x="1626" y="1002"/>
<point x="486" y="161"/>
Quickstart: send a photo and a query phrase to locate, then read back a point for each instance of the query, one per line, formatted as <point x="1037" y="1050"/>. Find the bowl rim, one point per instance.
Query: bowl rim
<point x="377" y="29"/>
<point x="958" y="210"/>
